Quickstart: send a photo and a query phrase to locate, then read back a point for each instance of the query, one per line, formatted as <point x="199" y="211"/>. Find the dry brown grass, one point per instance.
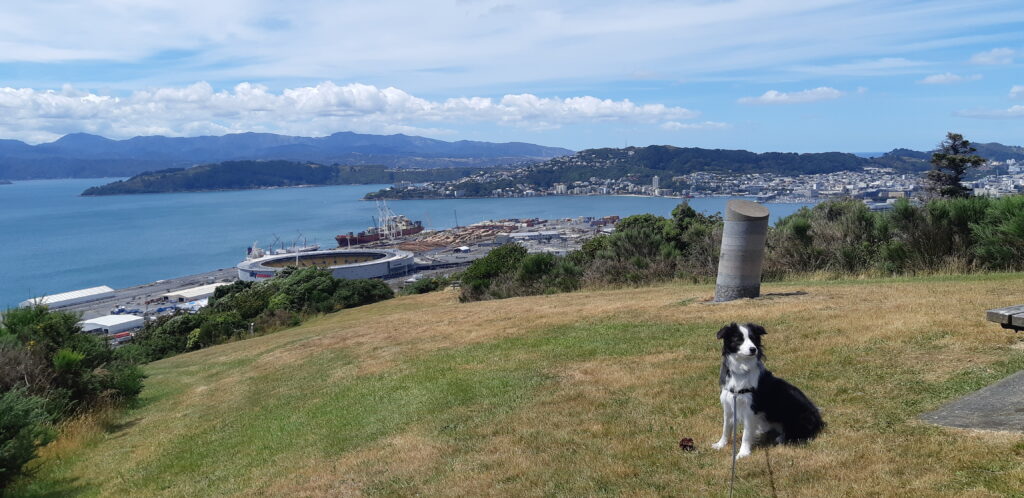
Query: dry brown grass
<point x="78" y="432"/>
<point x="615" y="378"/>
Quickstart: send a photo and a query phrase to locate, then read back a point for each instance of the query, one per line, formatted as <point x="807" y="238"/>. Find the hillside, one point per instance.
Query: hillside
<point x="667" y="160"/>
<point x="992" y="151"/>
<point x="90" y="156"/>
<point x="237" y="175"/>
<point x="568" y="394"/>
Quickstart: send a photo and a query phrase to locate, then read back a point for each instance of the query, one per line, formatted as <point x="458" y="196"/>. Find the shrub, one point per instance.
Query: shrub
<point x="352" y="293"/>
<point x="1000" y="234"/>
<point x="24" y="426"/>
<point x="425" y="285"/>
<point x="268" y="305"/>
<point x="477" y="278"/>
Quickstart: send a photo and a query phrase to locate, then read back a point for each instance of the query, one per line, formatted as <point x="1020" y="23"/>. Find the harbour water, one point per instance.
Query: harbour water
<point x="53" y="240"/>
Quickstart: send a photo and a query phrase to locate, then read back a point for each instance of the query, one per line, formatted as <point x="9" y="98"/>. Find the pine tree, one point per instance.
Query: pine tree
<point x="949" y="164"/>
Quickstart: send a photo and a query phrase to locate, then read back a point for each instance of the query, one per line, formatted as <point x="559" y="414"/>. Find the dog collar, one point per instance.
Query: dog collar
<point x="745" y="390"/>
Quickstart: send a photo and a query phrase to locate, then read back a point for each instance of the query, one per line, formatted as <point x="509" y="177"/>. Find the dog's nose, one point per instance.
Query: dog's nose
<point x="753" y="350"/>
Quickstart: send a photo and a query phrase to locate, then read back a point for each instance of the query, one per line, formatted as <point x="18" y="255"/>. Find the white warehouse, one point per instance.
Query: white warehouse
<point x="112" y="324"/>
<point x="70" y="298"/>
<point x="193" y="293"/>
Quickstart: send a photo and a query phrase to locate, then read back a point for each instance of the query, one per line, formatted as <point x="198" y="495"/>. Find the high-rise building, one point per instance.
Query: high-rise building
<point x="655" y="182"/>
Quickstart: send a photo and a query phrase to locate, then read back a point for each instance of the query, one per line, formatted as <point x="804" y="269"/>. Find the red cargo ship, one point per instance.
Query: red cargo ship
<point x="395" y="226"/>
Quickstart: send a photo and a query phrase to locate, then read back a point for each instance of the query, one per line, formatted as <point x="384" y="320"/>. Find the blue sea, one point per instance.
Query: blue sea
<point x="53" y="240"/>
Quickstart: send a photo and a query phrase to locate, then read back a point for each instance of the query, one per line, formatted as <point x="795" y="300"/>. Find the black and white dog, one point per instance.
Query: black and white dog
<point x="770" y="409"/>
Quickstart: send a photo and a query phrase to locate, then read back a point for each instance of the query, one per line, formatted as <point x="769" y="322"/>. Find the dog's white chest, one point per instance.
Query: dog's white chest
<point x="742" y="376"/>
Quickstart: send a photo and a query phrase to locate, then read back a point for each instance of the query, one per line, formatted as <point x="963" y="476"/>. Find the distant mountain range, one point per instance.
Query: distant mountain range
<point x="81" y="155"/>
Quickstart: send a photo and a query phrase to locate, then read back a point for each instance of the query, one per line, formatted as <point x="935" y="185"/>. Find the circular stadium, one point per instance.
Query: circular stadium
<point x="343" y="263"/>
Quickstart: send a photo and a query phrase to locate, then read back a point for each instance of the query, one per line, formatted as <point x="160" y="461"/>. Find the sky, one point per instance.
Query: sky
<point x="761" y="75"/>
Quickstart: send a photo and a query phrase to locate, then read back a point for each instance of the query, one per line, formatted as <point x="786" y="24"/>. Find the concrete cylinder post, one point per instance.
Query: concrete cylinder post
<point x="739" y="266"/>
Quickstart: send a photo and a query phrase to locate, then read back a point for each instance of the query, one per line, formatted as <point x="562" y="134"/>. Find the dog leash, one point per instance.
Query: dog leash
<point x="732" y="480"/>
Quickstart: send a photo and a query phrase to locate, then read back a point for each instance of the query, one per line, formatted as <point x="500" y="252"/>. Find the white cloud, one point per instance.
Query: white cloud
<point x="1017" y="91"/>
<point x="483" y="42"/>
<point x="873" y="67"/>
<point x="994" y="57"/>
<point x="706" y="125"/>
<point x="948" y="78"/>
<point x="1016" y="111"/>
<point x="196" y="109"/>
<point x="777" y="97"/>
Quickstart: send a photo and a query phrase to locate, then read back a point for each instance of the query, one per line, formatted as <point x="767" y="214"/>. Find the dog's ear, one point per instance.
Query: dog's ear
<point x="725" y="330"/>
<point x="756" y="329"/>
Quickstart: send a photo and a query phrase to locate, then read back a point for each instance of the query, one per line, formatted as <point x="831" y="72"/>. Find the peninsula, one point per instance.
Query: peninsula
<point x="241" y="175"/>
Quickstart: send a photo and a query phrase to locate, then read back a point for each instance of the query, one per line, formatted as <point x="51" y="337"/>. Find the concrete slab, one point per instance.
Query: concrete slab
<point x="999" y="407"/>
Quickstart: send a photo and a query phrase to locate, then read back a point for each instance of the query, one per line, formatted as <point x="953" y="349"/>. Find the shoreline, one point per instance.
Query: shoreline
<point x="786" y="200"/>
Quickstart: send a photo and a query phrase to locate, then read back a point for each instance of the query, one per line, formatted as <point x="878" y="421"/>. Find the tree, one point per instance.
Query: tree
<point x="949" y="164"/>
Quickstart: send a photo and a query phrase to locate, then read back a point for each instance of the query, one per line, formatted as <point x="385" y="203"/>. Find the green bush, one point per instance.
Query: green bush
<point x="269" y="305"/>
<point x="479" y="276"/>
<point x="425" y="285"/>
<point x="352" y="293"/>
<point x="50" y="370"/>
<point x="24" y="426"/>
<point x="836" y="237"/>
<point x="1000" y="234"/>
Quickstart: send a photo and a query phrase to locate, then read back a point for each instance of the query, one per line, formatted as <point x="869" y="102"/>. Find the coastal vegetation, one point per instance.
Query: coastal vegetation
<point x="244" y="309"/>
<point x="578" y="394"/>
<point x="51" y="372"/>
<point x="236" y="175"/>
<point x="837" y="238"/>
<point x="429" y="284"/>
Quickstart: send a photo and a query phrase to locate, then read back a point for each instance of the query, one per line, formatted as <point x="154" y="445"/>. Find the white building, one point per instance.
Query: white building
<point x="655" y="183"/>
<point x="71" y="297"/>
<point x="112" y="324"/>
<point x="192" y="293"/>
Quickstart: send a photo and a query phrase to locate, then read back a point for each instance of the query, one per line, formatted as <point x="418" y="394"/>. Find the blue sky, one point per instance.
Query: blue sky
<point x="794" y="75"/>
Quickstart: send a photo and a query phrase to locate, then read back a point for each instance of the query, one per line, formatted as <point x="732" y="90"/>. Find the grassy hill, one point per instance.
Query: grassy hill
<point x="572" y="394"/>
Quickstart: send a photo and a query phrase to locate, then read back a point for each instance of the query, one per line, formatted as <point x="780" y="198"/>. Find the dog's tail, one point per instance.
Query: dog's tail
<point x="808" y="425"/>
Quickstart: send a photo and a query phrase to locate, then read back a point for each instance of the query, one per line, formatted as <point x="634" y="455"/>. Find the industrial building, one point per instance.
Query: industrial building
<point x="192" y="293"/>
<point x="69" y="298"/>
<point x="343" y="263"/>
<point x="112" y="324"/>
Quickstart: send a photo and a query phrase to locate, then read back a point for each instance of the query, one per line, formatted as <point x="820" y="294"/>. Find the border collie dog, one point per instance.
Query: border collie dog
<point x="771" y="410"/>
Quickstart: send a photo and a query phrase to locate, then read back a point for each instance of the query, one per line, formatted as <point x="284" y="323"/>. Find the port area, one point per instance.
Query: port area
<point x="441" y="253"/>
<point x="148" y="298"/>
<point x="437" y="253"/>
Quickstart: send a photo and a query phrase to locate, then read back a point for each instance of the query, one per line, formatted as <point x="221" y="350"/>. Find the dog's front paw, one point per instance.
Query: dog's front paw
<point x="744" y="451"/>
<point x="720" y="444"/>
